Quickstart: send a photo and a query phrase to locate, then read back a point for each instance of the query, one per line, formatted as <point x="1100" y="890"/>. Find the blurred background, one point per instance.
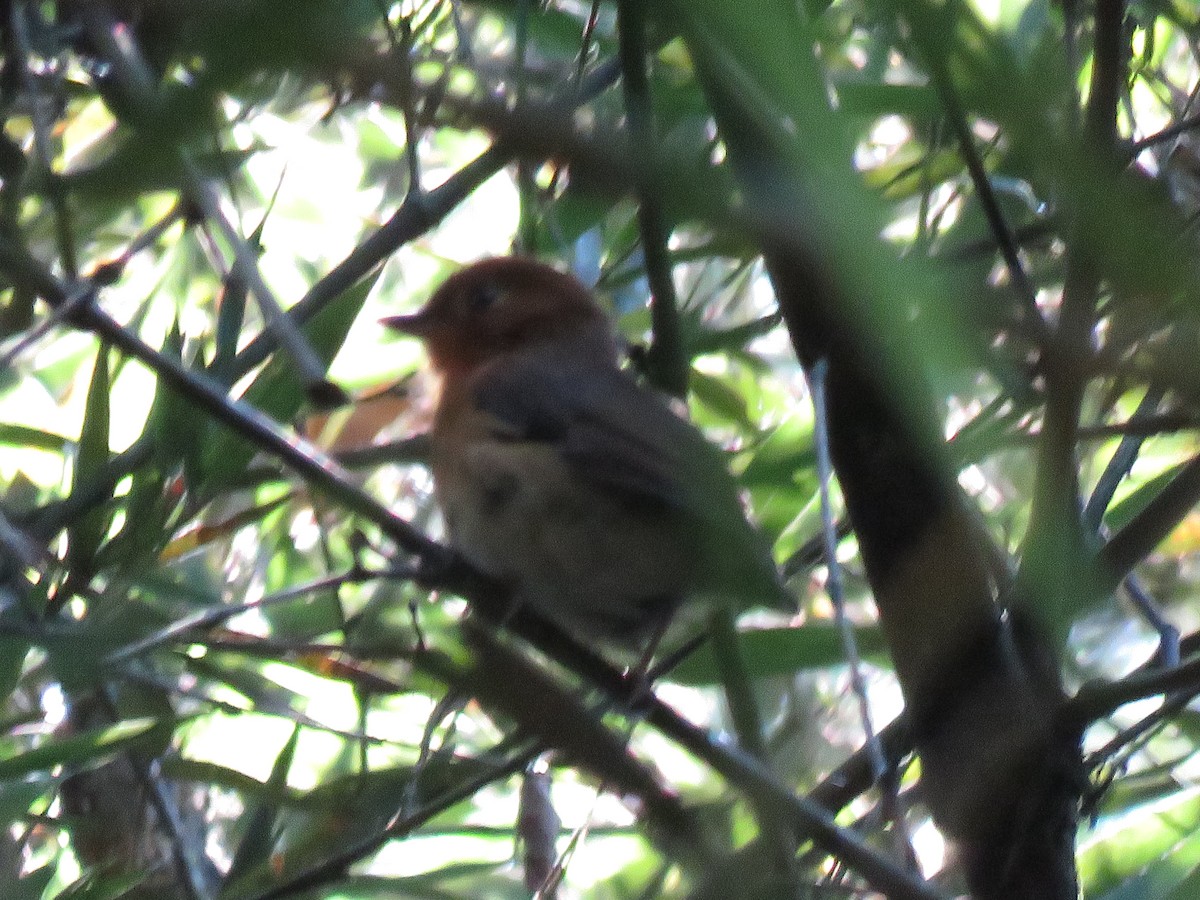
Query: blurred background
<point x="212" y="686"/>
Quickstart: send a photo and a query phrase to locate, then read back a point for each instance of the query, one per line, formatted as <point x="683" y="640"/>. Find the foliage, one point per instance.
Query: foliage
<point x="219" y="675"/>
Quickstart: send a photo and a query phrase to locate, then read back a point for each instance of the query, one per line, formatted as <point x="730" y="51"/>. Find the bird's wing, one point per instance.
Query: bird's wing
<point x="623" y="440"/>
<point x="612" y="434"/>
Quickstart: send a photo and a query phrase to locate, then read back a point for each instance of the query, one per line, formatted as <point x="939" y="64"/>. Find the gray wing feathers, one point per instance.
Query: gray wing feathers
<point x="625" y="441"/>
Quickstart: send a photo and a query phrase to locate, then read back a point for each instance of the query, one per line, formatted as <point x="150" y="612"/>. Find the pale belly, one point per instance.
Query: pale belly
<point x="596" y="563"/>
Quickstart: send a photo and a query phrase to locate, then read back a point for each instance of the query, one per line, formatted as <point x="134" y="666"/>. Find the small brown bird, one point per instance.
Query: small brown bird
<point x="562" y="477"/>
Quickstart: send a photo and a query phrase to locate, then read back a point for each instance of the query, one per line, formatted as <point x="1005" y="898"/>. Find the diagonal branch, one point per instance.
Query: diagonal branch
<point x="1148" y="528"/>
<point x="304" y="459"/>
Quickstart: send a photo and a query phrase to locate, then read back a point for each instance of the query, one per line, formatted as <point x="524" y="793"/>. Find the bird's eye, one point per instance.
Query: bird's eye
<point x="483" y="297"/>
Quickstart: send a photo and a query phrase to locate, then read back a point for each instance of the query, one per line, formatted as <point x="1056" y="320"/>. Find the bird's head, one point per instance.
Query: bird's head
<point x="506" y="305"/>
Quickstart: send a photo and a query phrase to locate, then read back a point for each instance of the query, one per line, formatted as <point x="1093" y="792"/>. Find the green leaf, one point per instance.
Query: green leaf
<point x="872" y="99"/>
<point x="137" y="166"/>
<point x="13" y="651"/>
<point x="1175" y="875"/>
<point x="910" y="175"/>
<point x="1126" y="510"/>
<point x="481" y="879"/>
<point x="550" y="30"/>
<point x="780" y="651"/>
<point x="25" y="436"/>
<point x="85" y="535"/>
<point x="720" y="399"/>
<point x="217" y="775"/>
<point x="18" y="797"/>
<point x="175" y="433"/>
<point x="103" y="886"/>
<point x="1187" y="888"/>
<point x="1127" y="847"/>
<point x="254" y="849"/>
<point x="30" y="886"/>
<point x="277" y="391"/>
<point x="786" y="458"/>
<point x="78" y="750"/>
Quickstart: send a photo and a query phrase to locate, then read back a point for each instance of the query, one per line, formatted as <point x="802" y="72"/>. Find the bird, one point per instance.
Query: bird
<point x="561" y="476"/>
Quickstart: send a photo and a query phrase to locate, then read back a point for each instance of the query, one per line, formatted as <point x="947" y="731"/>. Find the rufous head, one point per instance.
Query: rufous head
<point x="501" y="306"/>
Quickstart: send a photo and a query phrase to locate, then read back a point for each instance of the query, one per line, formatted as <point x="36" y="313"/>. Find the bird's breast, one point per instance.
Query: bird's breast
<point x="518" y="511"/>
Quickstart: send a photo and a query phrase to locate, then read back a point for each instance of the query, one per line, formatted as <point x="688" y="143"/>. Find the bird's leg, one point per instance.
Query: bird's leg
<point x="668" y="663"/>
<point x="644" y="673"/>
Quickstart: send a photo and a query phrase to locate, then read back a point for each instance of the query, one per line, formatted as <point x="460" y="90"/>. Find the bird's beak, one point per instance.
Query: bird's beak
<point x="418" y="324"/>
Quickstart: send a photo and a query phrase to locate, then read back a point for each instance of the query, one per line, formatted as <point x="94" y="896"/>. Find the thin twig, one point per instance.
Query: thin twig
<point x="833" y="582"/>
<point x="1108" y="72"/>
<point x="139" y="675"/>
<point x="1096" y="700"/>
<point x="736" y="683"/>
<point x="42" y="128"/>
<point x="666" y="363"/>
<point x="526" y="240"/>
<point x="199" y="874"/>
<point x="855" y="776"/>
<point x="463" y="37"/>
<point x="997" y="223"/>
<point x="335" y="867"/>
<point x="1056" y="546"/>
<point x="1183" y="126"/>
<point x="585" y="42"/>
<point x="1121" y="462"/>
<point x="245" y="265"/>
<point x="400" y="45"/>
<point x="1119" y="465"/>
<point x="209" y="618"/>
<point x="84" y="294"/>
<point x="740" y="769"/>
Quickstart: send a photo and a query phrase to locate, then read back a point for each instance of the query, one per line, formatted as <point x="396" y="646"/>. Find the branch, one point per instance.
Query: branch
<point x="1183" y="126"/>
<point x="666" y="363"/>
<point x="1001" y="232"/>
<point x="1098" y="699"/>
<point x="304" y="459"/>
<point x="327" y="477"/>
<point x="334" y="868"/>
<point x="1055" y="545"/>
